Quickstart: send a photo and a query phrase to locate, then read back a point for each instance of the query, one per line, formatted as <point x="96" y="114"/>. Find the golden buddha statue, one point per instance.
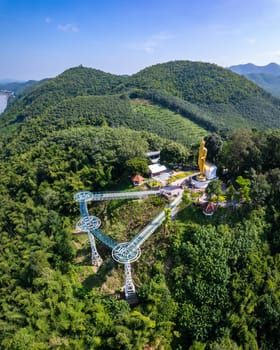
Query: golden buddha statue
<point x="202" y="154"/>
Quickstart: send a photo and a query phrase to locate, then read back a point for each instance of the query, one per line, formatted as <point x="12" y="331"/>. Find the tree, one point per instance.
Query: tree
<point x="167" y="219"/>
<point x="271" y="150"/>
<point x="200" y="277"/>
<point x="241" y="153"/>
<point x="230" y="193"/>
<point x="260" y="189"/>
<point x="174" y="153"/>
<point x="214" y="190"/>
<point x="273" y="177"/>
<point x="186" y="197"/>
<point x="244" y="188"/>
<point x="214" y="145"/>
<point x="137" y="166"/>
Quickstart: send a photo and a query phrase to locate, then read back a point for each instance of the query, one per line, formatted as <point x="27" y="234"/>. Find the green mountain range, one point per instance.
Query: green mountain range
<point x="19" y="87"/>
<point x="209" y="96"/>
<point x="250" y="68"/>
<point x="267" y="77"/>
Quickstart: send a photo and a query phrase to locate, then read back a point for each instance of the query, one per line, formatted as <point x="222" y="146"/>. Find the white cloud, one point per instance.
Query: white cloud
<point x="150" y="44"/>
<point x="68" y="28"/>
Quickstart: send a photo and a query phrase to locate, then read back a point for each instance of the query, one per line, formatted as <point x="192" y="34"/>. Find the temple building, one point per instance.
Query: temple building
<point x="209" y="208"/>
<point x="137" y="180"/>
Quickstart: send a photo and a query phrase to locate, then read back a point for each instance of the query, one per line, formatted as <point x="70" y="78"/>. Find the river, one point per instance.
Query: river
<point x="3" y="102"/>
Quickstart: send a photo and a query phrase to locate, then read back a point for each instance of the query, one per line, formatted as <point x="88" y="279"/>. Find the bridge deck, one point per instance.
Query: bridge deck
<point x="144" y="234"/>
<point x="102" y="237"/>
<point x="107" y="196"/>
<point x="108" y="241"/>
<point x="152" y="226"/>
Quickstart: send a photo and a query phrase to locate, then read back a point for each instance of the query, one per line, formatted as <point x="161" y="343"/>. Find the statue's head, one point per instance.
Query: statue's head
<point x="202" y="143"/>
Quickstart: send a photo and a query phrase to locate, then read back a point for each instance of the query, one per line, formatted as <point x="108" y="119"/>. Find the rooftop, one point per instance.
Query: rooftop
<point x="209" y="208"/>
<point x="137" y="178"/>
<point x="157" y="168"/>
<point x="153" y="153"/>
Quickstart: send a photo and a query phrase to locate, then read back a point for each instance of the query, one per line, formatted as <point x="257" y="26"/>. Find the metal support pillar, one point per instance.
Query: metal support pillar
<point x="129" y="288"/>
<point x="95" y="257"/>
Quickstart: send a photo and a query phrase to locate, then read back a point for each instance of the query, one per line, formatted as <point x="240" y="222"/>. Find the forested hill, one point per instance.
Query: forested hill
<point x="19" y="87"/>
<point x="268" y="82"/>
<point x="201" y="282"/>
<point x="228" y="99"/>
<point x="196" y="82"/>
<point x="272" y="69"/>
<point x="210" y="96"/>
<point x="78" y="81"/>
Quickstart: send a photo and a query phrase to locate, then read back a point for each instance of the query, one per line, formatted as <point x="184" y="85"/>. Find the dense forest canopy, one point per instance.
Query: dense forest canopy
<point x="202" y="282"/>
<point x="196" y="82"/>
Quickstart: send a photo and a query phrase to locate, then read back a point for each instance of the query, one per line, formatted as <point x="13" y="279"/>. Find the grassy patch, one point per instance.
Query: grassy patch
<point x="125" y="218"/>
<point x="179" y="176"/>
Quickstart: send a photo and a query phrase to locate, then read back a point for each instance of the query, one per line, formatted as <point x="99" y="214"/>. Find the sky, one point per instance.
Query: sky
<point x="42" y="38"/>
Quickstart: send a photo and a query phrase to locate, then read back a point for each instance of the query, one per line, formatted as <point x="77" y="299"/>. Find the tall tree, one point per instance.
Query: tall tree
<point x="214" y="190"/>
<point x="214" y="145"/>
<point x="244" y="188"/>
<point x="137" y="165"/>
<point x="174" y="153"/>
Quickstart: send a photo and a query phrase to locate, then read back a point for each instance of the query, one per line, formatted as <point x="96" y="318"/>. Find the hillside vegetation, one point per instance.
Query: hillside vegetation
<point x="203" y="283"/>
<point x="109" y="110"/>
<point x="206" y="283"/>
<point x="77" y="81"/>
<point x="20" y="88"/>
<point x="268" y="82"/>
<point x="210" y="96"/>
<point x="209" y="87"/>
<point x="168" y="123"/>
<point x="196" y="82"/>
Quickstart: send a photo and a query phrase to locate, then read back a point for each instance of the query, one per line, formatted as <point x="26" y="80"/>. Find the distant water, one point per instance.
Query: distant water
<point x="3" y="102"/>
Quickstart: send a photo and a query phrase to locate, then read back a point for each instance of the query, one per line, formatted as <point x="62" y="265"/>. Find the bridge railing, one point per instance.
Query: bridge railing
<point x="152" y="226"/>
<point x="108" y="241"/>
<point x="103" y="196"/>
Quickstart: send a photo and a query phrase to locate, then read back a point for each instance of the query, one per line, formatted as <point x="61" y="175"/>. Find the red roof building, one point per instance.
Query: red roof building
<point x="137" y="180"/>
<point x="209" y="208"/>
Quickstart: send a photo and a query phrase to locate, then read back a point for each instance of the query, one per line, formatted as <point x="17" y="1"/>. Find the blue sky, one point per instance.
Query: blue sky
<point x="42" y="38"/>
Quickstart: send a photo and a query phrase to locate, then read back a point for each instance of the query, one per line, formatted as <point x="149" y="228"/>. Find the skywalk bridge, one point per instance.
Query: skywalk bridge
<point x="108" y="196"/>
<point x="126" y="252"/>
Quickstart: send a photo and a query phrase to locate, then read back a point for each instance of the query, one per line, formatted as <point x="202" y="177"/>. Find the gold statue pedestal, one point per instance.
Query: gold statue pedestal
<point x="200" y="177"/>
<point x="201" y="181"/>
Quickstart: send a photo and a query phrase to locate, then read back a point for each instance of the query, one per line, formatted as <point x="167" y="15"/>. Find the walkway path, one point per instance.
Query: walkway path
<point x="108" y="196"/>
<point x="127" y="251"/>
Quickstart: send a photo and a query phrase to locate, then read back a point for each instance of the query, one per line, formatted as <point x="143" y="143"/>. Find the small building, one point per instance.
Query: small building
<point x="137" y="180"/>
<point x="157" y="169"/>
<point x="209" y="208"/>
<point x="154" y="156"/>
